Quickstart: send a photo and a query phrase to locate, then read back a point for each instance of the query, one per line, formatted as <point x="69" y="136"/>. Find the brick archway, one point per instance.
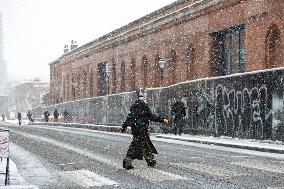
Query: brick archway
<point x="190" y="58"/>
<point x="172" y="67"/>
<point x="157" y="68"/>
<point x="145" y="71"/>
<point x="91" y="82"/>
<point x="273" y="47"/>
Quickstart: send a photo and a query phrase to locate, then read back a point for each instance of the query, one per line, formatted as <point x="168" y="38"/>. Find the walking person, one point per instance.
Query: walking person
<point x="55" y="115"/>
<point x="29" y="114"/>
<point x="66" y="115"/>
<point x="46" y="116"/>
<point x="19" y="118"/>
<point x="138" y="119"/>
<point x="178" y="110"/>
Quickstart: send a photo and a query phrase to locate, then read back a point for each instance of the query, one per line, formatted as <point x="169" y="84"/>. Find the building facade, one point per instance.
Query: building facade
<point x="3" y="66"/>
<point x="27" y="96"/>
<point x="198" y="39"/>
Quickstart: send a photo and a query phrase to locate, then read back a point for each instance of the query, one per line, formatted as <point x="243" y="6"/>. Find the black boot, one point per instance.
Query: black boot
<point x="151" y="163"/>
<point x="127" y="165"/>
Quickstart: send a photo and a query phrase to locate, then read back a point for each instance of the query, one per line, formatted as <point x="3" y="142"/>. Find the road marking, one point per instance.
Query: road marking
<point x="72" y="148"/>
<point x="156" y="175"/>
<point x="148" y="173"/>
<point x="208" y="169"/>
<point x="87" y="178"/>
<point x="261" y="166"/>
<point x="222" y="148"/>
<point x="71" y="163"/>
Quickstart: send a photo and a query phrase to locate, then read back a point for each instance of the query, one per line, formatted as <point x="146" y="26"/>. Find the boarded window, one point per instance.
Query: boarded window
<point x="102" y="79"/>
<point x="91" y="93"/>
<point x="273" y="47"/>
<point x="172" y="67"/>
<point x="158" y="77"/>
<point x="122" y="69"/>
<point x="132" y="74"/>
<point x="144" y="71"/>
<point x="113" y="73"/>
<point x="229" y="50"/>
<point x="84" y="90"/>
<point x="67" y="88"/>
<point x="78" y="87"/>
<point x="73" y="87"/>
<point x="190" y="57"/>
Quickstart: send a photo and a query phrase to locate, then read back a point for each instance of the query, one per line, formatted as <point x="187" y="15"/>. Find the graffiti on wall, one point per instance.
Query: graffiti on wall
<point x="250" y="106"/>
<point x="205" y="109"/>
<point x="243" y="113"/>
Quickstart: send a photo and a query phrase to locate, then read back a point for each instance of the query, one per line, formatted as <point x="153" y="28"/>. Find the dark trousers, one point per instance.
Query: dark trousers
<point x="146" y="150"/>
<point x="178" y="126"/>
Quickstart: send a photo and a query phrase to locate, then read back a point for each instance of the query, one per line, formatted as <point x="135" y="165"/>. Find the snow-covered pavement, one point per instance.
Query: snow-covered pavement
<point x="250" y="144"/>
<point x="264" y="146"/>
<point x="276" y="147"/>
<point x="16" y="181"/>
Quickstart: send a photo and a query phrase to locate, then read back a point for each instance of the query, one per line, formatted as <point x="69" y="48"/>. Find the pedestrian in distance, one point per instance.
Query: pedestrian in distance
<point x="66" y="115"/>
<point x="19" y="118"/>
<point x="138" y="119"/>
<point x="178" y="110"/>
<point x="55" y="115"/>
<point x="46" y="115"/>
<point x="30" y="116"/>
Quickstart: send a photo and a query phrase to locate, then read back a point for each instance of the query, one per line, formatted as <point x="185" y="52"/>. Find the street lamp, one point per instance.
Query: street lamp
<point x="162" y="63"/>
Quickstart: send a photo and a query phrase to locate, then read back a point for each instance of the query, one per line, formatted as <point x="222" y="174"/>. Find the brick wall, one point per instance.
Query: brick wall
<point x="227" y="106"/>
<point x="172" y="29"/>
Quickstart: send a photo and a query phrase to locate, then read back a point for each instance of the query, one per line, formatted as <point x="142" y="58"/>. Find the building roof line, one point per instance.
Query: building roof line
<point x="189" y="9"/>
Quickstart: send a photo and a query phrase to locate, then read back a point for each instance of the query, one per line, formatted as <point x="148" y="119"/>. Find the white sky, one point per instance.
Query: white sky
<point x="35" y="31"/>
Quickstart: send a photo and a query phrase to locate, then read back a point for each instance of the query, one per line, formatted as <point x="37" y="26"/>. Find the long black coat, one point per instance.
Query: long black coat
<point x="178" y="109"/>
<point x="138" y="119"/>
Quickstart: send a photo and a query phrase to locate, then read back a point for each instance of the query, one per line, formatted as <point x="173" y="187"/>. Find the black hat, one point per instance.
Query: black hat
<point x="140" y="92"/>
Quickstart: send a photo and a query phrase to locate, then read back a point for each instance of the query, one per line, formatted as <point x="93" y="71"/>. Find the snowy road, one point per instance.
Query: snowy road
<point x="57" y="157"/>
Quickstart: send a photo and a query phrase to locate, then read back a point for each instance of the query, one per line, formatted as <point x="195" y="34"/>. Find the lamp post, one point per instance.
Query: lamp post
<point x="162" y="63"/>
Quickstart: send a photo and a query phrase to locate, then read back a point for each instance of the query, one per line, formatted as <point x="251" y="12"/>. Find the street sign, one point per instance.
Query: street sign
<point x="4" y="143"/>
<point x="4" y="151"/>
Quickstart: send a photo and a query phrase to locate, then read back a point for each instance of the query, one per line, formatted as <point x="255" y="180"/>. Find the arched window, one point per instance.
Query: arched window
<point x="132" y="74"/>
<point x="67" y="87"/>
<point x="122" y="70"/>
<point x="172" y="67"/>
<point x="190" y="58"/>
<point x="73" y="87"/>
<point x="157" y="69"/>
<point x="63" y="88"/>
<point x="91" y="93"/>
<point x="144" y="71"/>
<point x="102" y="87"/>
<point x="78" y="89"/>
<point x="84" y="90"/>
<point x="113" y="73"/>
<point x="273" y="47"/>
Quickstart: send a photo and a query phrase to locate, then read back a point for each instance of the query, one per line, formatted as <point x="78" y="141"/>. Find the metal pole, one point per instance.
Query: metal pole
<point x="107" y="86"/>
<point x="162" y="77"/>
<point x="7" y="178"/>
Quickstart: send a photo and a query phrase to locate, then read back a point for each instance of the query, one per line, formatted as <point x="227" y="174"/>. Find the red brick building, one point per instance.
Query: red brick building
<point x="27" y="96"/>
<point x="197" y="39"/>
